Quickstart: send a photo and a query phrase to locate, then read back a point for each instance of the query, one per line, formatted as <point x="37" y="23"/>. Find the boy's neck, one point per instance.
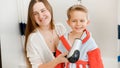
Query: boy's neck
<point x="73" y="35"/>
<point x="76" y="34"/>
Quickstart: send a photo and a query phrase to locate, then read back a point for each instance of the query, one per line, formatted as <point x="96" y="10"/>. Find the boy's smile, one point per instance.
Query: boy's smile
<point x="78" y="21"/>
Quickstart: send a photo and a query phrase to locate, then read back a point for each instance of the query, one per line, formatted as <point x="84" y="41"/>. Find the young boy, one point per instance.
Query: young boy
<point x="89" y="52"/>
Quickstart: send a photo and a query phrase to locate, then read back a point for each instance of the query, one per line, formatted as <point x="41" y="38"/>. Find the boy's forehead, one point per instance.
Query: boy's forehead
<point x="76" y="14"/>
<point x="78" y="11"/>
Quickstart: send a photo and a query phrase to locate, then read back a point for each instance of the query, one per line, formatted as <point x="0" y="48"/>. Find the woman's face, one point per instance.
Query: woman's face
<point x="41" y="14"/>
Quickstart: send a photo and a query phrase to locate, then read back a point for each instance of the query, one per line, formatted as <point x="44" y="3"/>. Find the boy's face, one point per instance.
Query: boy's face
<point x="78" y="21"/>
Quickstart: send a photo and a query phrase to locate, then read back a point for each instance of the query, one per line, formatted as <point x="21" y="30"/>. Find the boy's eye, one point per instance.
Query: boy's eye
<point x="73" y="20"/>
<point x="82" y="20"/>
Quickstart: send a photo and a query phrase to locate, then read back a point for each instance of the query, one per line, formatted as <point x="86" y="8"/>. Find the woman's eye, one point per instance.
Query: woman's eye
<point x="43" y="10"/>
<point x="35" y="13"/>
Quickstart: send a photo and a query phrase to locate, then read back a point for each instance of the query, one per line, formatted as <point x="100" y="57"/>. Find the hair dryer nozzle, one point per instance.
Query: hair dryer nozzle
<point x="74" y="58"/>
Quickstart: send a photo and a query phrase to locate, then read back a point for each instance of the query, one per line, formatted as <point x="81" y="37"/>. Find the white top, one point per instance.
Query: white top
<point x="37" y="49"/>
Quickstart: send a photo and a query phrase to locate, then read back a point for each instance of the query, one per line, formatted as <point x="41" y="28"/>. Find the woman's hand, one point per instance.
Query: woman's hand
<point x="61" y="58"/>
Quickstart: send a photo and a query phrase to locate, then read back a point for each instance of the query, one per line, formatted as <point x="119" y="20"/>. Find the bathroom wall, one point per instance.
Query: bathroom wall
<point x="11" y="44"/>
<point x="103" y="26"/>
<point x="118" y="34"/>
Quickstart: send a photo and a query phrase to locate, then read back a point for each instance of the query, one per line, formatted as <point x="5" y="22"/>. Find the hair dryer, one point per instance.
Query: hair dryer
<point x="74" y="53"/>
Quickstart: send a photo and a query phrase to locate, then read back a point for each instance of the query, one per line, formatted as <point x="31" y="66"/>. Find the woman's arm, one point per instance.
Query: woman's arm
<point x="52" y="64"/>
<point x="36" y="61"/>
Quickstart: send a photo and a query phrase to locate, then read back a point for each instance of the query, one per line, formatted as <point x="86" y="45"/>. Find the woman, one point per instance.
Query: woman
<point x="42" y="36"/>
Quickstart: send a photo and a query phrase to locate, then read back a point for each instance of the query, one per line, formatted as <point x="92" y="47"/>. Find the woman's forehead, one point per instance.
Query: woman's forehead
<point x="38" y="6"/>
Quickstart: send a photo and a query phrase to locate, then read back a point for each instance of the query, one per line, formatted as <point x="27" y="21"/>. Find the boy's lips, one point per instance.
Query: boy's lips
<point x="78" y="27"/>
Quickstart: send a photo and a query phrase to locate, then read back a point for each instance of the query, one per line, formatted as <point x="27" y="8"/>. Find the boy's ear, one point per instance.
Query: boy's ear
<point x="88" y="22"/>
<point x="68" y="22"/>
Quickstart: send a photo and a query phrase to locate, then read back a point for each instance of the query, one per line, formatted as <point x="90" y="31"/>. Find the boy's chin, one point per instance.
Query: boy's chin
<point x="79" y="31"/>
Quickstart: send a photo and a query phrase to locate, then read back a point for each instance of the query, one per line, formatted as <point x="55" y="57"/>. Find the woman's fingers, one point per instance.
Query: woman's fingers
<point x="65" y="54"/>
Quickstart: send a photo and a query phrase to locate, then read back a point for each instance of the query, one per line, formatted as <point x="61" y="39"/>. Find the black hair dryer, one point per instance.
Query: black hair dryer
<point x="74" y="53"/>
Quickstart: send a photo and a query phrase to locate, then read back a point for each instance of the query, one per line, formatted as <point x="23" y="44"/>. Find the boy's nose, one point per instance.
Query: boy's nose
<point x="78" y="23"/>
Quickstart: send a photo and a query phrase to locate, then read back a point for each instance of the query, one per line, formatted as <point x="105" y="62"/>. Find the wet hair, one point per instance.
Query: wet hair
<point x="77" y="7"/>
<point x="31" y="23"/>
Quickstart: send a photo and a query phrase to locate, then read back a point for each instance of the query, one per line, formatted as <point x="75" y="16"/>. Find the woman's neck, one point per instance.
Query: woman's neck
<point x="45" y="28"/>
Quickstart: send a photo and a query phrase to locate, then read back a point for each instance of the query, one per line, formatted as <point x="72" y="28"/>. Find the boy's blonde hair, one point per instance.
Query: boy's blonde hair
<point x="78" y="8"/>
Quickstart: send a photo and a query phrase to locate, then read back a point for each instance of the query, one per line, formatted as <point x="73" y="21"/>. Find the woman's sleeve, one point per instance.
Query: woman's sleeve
<point x="94" y="59"/>
<point x="60" y="29"/>
<point x="32" y="54"/>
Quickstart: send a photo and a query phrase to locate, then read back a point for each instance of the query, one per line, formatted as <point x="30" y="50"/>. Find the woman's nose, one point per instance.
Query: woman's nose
<point x="40" y="15"/>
